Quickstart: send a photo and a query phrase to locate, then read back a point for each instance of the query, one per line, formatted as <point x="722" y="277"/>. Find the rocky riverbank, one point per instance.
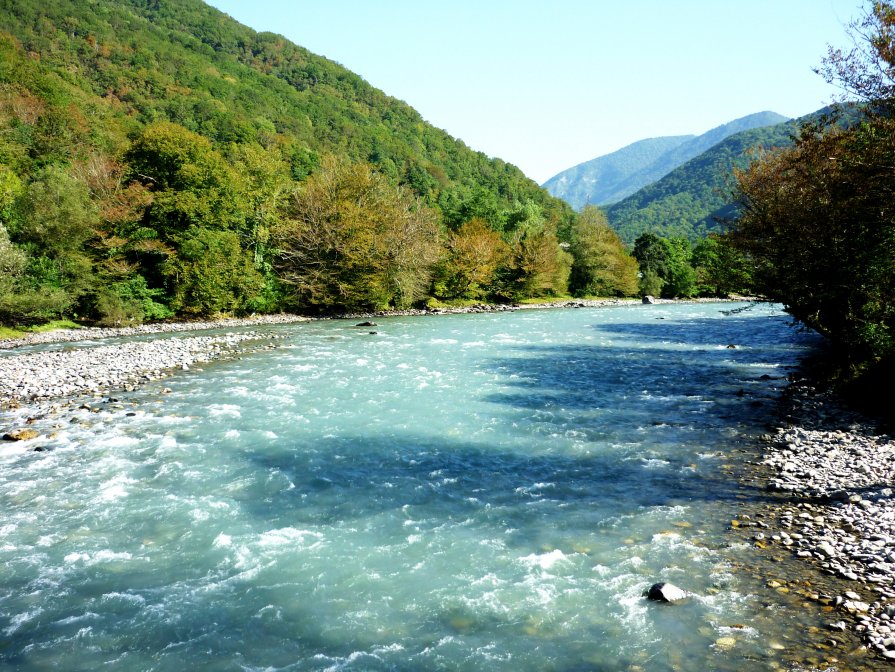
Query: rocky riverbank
<point x="34" y="377"/>
<point x="98" y="333"/>
<point x="834" y="472"/>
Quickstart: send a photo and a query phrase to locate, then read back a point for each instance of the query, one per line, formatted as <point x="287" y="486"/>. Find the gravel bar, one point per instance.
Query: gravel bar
<point x="835" y="473"/>
<point x="98" y="333"/>
<point x="40" y="376"/>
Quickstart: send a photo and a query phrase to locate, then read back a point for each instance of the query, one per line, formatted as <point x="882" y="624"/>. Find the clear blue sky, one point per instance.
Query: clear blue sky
<point x="548" y="85"/>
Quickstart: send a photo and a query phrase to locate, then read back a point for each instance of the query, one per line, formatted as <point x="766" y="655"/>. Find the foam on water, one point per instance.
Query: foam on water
<point x="462" y="492"/>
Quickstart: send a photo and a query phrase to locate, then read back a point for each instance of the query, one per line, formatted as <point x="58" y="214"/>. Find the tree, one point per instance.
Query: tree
<point x="56" y="218"/>
<point x="866" y="72"/>
<point x="680" y="277"/>
<point x="665" y="266"/>
<point x="19" y="303"/>
<point x="819" y="219"/>
<point x="651" y="255"/>
<point x="191" y="183"/>
<point x="602" y="265"/>
<point x="352" y="240"/>
<point x="211" y="273"/>
<point x="537" y="264"/>
<point x="721" y="269"/>
<point x="475" y="253"/>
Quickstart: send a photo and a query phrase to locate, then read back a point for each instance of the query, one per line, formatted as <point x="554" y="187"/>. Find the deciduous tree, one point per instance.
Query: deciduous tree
<point x="602" y="265"/>
<point x="353" y="240"/>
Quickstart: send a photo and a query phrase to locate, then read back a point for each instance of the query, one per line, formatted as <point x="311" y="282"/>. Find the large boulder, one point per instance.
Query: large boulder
<point x="648" y="299"/>
<point x="666" y="592"/>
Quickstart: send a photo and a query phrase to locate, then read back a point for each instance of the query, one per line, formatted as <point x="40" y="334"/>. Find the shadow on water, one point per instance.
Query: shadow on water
<point x="668" y="396"/>
<point x="701" y="359"/>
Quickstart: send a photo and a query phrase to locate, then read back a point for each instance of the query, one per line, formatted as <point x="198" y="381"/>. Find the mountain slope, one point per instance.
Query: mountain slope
<point x="137" y="61"/>
<point x="597" y="180"/>
<point x="688" y="199"/>
<point x="152" y="153"/>
<point x="613" y="177"/>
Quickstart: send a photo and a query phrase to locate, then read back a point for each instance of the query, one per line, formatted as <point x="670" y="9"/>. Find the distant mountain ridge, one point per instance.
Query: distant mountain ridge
<point x="690" y="199"/>
<point x="613" y="177"/>
<point x="599" y="179"/>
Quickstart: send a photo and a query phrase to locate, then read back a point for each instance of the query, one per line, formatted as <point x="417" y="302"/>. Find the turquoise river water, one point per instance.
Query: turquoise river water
<point x="461" y="492"/>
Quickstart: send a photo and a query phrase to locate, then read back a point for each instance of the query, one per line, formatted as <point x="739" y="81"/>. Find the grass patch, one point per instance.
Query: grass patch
<point x="13" y="332"/>
<point x="52" y="326"/>
<point x="433" y="303"/>
<point x="9" y="332"/>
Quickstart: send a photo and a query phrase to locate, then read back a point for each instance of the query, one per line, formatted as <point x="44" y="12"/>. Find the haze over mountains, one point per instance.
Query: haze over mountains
<point x="613" y="177"/>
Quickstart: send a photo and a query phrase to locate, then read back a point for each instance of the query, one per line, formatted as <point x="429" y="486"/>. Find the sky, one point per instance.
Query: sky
<point x="549" y="85"/>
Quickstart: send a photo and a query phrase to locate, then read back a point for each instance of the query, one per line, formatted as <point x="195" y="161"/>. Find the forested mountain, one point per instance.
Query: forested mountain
<point x="149" y="149"/>
<point x="611" y="178"/>
<point x="687" y="201"/>
<point x="125" y="63"/>
<point x="597" y="181"/>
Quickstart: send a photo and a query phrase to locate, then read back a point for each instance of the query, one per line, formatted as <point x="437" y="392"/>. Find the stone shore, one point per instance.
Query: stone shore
<point x="34" y="377"/>
<point x="834" y="472"/>
<point x="98" y="333"/>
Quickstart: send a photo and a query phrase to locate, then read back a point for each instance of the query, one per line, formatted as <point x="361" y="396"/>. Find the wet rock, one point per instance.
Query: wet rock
<point x="666" y="592"/>
<point x="366" y="324"/>
<point x="647" y="299"/>
<point x="20" y="435"/>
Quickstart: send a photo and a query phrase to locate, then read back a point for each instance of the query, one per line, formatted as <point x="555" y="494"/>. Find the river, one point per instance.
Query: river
<point x="461" y="492"/>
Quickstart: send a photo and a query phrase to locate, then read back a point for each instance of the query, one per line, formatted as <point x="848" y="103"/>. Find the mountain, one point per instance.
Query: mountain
<point x="103" y="69"/>
<point x="687" y="201"/>
<point x="597" y="180"/>
<point x="151" y="151"/>
<point x="611" y="178"/>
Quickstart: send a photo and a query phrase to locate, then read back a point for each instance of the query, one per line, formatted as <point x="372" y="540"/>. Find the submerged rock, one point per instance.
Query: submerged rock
<point x="666" y="592"/>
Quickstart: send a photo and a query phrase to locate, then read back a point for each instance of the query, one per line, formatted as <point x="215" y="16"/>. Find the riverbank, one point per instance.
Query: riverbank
<point x="831" y="473"/>
<point x="99" y="333"/>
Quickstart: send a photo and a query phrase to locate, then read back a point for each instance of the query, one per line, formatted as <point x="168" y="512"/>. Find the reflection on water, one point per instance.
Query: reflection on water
<point x="465" y="492"/>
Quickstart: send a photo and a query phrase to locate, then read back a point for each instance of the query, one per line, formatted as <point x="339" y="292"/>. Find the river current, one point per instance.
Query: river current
<point x="460" y="492"/>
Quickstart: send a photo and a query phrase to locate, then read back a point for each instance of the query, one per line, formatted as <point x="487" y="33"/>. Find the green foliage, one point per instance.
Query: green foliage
<point x="721" y="269"/>
<point x="602" y="265"/>
<point x="148" y="150"/>
<point x="665" y="266"/>
<point x="130" y="302"/>
<point x="475" y="254"/>
<point x="817" y="218"/>
<point x="822" y="235"/>
<point x="354" y="241"/>
<point x="210" y="274"/>
<point x="537" y="265"/>
<point x="19" y="303"/>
